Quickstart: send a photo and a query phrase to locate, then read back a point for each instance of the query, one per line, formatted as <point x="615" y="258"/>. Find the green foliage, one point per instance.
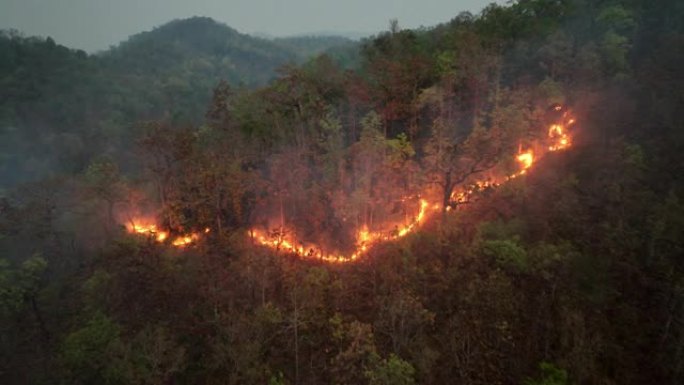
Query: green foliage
<point x="31" y="273"/>
<point x="310" y="46"/>
<point x="95" y="288"/>
<point x="615" y="48"/>
<point x="88" y="104"/>
<point x="507" y="253"/>
<point x="372" y="129"/>
<point x="401" y="148"/>
<point x="617" y="18"/>
<point x="11" y="294"/>
<point x="550" y="375"/>
<point x="278" y="379"/>
<point x="94" y="353"/>
<point x="392" y="371"/>
<point x="634" y="156"/>
<point x="551" y="91"/>
<point x="180" y="50"/>
<point x="17" y="285"/>
<point x="579" y="260"/>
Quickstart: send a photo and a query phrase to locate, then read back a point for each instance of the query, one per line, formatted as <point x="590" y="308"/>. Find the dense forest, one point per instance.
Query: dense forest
<point x="59" y="107"/>
<point x="493" y="200"/>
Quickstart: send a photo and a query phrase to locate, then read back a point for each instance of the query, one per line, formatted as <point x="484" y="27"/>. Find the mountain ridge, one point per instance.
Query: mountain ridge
<point x="168" y="73"/>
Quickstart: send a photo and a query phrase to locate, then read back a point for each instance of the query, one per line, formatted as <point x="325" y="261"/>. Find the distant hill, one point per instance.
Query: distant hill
<point x="215" y="50"/>
<point x="55" y="100"/>
<point x="174" y="67"/>
<point x="202" y="47"/>
<point x="307" y="46"/>
<point x="342" y="50"/>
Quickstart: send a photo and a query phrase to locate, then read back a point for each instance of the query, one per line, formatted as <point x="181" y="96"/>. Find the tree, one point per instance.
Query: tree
<point x="106" y="183"/>
<point x="356" y="354"/>
<point x="167" y="155"/>
<point x="391" y="371"/>
<point x="451" y="161"/>
<point x="550" y="375"/>
<point x="94" y="353"/>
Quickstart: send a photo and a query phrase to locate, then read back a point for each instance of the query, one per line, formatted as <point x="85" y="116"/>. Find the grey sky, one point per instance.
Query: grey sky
<point x="96" y="24"/>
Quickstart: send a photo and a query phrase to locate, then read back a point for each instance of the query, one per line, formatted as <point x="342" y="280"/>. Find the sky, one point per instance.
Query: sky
<point x="95" y="25"/>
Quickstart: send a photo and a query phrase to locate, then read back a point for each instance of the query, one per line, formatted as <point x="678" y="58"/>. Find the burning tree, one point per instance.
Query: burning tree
<point x="451" y="161"/>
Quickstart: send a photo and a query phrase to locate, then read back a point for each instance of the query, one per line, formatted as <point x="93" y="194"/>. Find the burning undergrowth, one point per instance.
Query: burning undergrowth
<point x="330" y="202"/>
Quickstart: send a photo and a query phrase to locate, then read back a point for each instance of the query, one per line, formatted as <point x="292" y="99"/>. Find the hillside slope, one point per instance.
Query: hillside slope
<point x="60" y="107"/>
<point x="202" y="47"/>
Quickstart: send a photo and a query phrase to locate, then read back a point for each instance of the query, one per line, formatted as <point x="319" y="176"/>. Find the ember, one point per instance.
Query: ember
<point x="145" y="228"/>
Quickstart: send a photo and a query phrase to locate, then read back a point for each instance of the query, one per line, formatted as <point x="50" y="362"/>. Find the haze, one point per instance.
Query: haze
<point x="96" y="24"/>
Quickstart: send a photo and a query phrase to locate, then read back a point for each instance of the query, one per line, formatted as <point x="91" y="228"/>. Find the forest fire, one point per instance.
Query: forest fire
<point x="281" y="240"/>
<point x="558" y="134"/>
<point x="150" y="230"/>
<point x="284" y="239"/>
<point x="145" y="228"/>
<point x="185" y="240"/>
<point x="525" y="159"/>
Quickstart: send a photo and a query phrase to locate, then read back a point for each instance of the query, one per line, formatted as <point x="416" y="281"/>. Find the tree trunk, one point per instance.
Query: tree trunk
<point x="296" y="337"/>
<point x="446" y="193"/>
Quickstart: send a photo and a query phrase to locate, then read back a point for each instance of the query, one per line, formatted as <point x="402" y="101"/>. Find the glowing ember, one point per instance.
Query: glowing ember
<point x="148" y="230"/>
<point x="185" y="240"/>
<point x="525" y="159"/>
<point x="558" y="139"/>
<point x="280" y="241"/>
<point x="458" y="197"/>
<point x="558" y="136"/>
<point x="143" y="227"/>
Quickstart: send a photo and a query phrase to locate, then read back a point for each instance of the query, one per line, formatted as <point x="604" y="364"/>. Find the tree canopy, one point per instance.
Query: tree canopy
<point x="149" y="194"/>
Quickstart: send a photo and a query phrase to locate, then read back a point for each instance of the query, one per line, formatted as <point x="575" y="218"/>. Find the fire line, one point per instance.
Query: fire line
<point x="282" y="240"/>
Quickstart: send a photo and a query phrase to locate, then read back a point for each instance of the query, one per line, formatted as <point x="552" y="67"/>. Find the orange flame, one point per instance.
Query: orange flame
<point x="282" y="240"/>
<point x="558" y="136"/>
<point x="365" y="239"/>
<point x="148" y="230"/>
<point x="145" y="228"/>
<point x="185" y="240"/>
<point x="558" y="140"/>
<point x="526" y="159"/>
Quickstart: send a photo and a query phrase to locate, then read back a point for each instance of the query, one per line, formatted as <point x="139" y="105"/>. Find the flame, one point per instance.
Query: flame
<point x="286" y="241"/>
<point x="525" y="159"/>
<point x="558" y="139"/>
<point x="161" y="236"/>
<point x="558" y="135"/>
<point x="280" y="240"/>
<point x="185" y="240"/>
<point x="145" y="228"/>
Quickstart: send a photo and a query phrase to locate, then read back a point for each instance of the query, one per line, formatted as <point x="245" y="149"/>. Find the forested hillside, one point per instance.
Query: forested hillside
<point x="493" y="200"/>
<point x="60" y="107"/>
